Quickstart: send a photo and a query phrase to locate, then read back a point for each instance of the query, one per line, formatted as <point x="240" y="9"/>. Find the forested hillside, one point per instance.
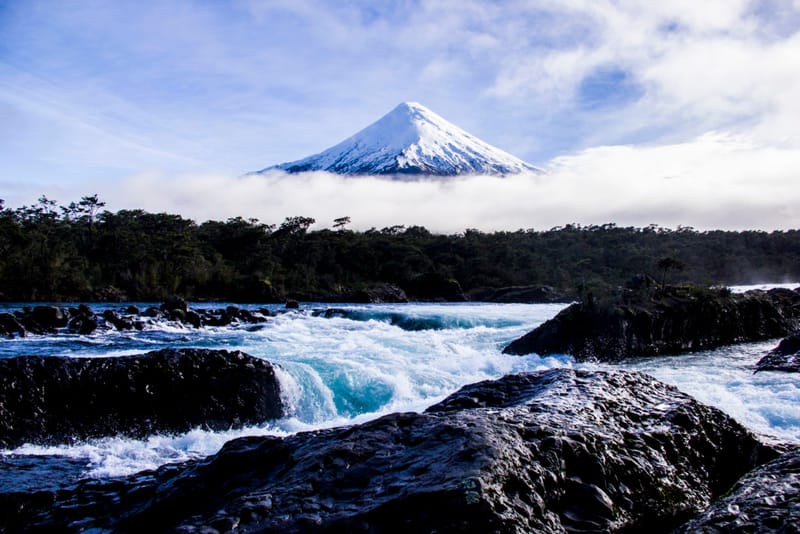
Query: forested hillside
<point x="78" y="251"/>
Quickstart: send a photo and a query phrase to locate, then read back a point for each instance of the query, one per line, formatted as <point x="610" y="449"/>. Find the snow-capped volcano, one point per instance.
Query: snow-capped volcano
<point x="410" y="139"/>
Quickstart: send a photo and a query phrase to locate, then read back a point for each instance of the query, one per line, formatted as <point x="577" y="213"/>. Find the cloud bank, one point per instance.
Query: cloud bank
<point x="714" y="182"/>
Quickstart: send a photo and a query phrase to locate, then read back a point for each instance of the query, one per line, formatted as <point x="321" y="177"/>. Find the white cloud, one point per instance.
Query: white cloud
<point x="715" y="181"/>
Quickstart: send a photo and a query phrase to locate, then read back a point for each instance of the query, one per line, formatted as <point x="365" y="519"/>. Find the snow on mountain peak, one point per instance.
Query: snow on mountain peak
<point x="410" y="139"/>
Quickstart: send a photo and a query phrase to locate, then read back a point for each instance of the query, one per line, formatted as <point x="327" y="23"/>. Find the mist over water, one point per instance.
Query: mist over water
<point x="364" y="361"/>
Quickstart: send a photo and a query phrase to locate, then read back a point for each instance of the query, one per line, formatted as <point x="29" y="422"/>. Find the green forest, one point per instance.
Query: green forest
<point x="79" y="251"/>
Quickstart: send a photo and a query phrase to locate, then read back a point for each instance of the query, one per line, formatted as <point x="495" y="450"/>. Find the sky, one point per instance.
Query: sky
<point x="671" y="113"/>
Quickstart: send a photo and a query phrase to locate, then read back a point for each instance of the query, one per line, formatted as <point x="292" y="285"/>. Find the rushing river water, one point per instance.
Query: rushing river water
<point x="369" y="360"/>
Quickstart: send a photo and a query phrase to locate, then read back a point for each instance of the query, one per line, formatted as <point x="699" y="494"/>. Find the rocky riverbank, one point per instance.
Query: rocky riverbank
<point x="51" y="400"/>
<point x="546" y="452"/>
<point x="659" y="321"/>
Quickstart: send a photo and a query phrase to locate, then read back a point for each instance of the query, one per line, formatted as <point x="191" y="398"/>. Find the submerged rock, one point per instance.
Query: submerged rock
<point x="766" y="500"/>
<point x="784" y="357"/>
<point x="553" y="451"/>
<point x="665" y="321"/>
<point x="50" y="400"/>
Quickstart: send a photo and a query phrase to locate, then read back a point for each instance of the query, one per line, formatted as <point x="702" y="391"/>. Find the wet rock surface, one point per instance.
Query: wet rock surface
<point x="50" y="400"/>
<point x="766" y="500"/>
<point x="665" y="321"/>
<point x="784" y="357"/>
<point x="554" y="451"/>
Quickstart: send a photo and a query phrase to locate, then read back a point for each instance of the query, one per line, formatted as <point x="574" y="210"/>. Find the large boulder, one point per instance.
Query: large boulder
<point x="50" y="317"/>
<point x="784" y="357"/>
<point x="49" y="400"/>
<point x="82" y="320"/>
<point x="174" y="303"/>
<point x="766" y="500"/>
<point x="664" y="321"/>
<point x="554" y="451"/>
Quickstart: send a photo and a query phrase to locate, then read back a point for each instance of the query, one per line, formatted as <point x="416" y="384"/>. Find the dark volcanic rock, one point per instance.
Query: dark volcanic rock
<point x="434" y="287"/>
<point x="376" y="294"/>
<point x="83" y="324"/>
<point x="666" y="321"/>
<point x="521" y="294"/>
<point x="10" y="326"/>
<point x="544" y="452"/>
<point x="57" y="400"/>
<point x="120" y="323"/>
<point x="50" y="317"/>
<point x="174" y="303"/>
<point x="766" y="500"/>
<point x="784" y="357"/>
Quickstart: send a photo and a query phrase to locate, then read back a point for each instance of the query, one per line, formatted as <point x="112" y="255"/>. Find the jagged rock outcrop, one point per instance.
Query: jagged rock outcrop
<point x="50" y="400"/>
<point x="767" y="500"/>
<point x="784" y="357"/>
<point x="664" y="321"/>
<point x="542" y="452"/>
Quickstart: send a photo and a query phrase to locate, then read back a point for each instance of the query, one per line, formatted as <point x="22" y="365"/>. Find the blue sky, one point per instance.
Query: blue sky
<point x="124" y="96"/>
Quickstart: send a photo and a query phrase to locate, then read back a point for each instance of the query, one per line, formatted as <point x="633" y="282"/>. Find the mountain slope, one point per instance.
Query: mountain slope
<point x="410" y="139"/>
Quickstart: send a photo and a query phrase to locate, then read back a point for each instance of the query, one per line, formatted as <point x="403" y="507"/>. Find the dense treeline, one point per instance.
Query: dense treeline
<point x="52" y="252"/>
